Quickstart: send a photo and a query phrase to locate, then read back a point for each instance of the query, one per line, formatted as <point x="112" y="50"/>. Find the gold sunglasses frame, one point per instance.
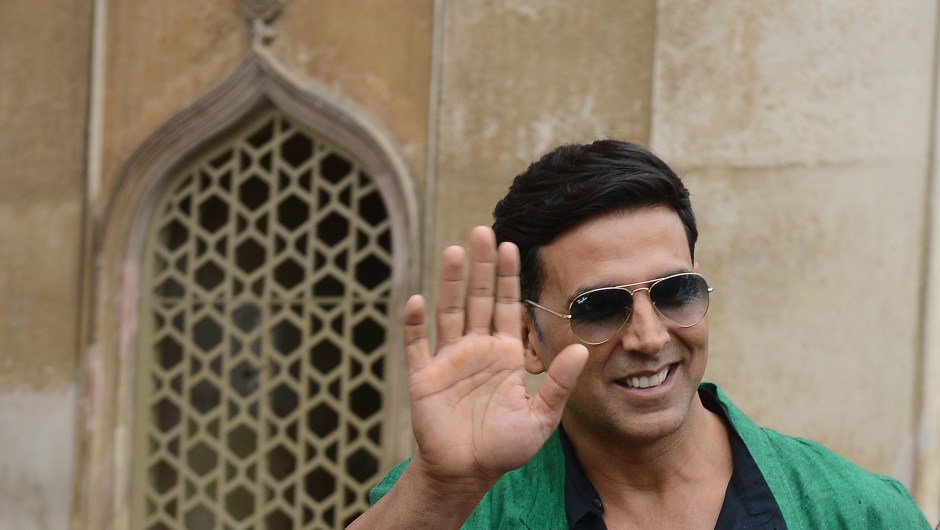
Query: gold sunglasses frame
<point x="626" y="287"/>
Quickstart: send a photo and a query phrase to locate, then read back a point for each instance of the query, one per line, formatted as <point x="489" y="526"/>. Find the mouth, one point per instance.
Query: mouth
<point x="647" y="381"/>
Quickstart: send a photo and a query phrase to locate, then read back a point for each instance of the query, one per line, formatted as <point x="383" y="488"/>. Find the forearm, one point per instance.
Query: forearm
<point x="418" y="502"/>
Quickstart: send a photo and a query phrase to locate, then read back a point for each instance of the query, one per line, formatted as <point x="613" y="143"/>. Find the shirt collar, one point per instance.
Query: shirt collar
<point x="581" y="498"/>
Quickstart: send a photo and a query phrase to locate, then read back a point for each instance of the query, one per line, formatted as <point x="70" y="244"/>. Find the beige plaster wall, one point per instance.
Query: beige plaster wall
<point x="802" y="336"/>
<point x="517" y="78"/>
<point x="374" y="53"/>
<point x="44" y="56"/>
<point x="160" y="57"/>
<point x="804" y="130"/>
<point x="770" y="83"/>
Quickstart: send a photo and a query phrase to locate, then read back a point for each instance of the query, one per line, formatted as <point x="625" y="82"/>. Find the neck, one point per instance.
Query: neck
<point x="618" y="466"/>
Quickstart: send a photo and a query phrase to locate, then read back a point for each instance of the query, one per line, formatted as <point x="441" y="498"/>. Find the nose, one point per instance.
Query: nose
<point x="645" y="331"/>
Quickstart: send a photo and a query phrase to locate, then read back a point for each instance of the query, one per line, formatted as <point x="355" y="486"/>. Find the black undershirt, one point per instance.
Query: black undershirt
<point x="749" y="503"/>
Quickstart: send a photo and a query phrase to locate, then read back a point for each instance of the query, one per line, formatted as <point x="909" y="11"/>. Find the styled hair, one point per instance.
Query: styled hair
<point x="574" y="183"/>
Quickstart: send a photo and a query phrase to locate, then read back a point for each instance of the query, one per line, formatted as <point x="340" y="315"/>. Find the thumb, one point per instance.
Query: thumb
<point x="559" y="382"/>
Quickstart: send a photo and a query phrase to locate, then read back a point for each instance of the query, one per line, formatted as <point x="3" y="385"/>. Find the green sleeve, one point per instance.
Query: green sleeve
<point x="390" y="479"/>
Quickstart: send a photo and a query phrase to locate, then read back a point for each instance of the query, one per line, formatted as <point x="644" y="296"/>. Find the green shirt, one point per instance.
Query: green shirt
<point x="814" y="487"/>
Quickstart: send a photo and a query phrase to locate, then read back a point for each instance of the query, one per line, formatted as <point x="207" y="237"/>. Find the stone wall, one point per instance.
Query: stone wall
<point x="44" y="64"/>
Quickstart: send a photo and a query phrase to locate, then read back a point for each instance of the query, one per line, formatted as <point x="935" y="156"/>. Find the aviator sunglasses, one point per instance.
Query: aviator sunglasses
<point x="597" y="315"/>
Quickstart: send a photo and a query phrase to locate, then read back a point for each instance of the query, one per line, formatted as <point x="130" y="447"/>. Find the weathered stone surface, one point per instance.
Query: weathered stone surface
<point x="795" y="82"/>
<point x="44" y="67"/>
<point x="375" y="53"/>
<point x="160" y="58"/>
<point x="37" y="441"/>
<point x="39" y="290"/>
<point x="814" y="322"/>
<point x="520" y="77"/>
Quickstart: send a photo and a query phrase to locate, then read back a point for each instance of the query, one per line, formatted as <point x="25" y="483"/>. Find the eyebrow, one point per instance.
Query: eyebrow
<point x="603" y="285"/>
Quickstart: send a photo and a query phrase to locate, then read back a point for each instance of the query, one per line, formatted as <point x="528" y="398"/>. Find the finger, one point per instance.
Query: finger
<point x="415" y="334"/>
<point x="558" y="383"/>
<point x="450" y="297"/>
<point x="506" y="316"/>
<point x="482" y="276"/>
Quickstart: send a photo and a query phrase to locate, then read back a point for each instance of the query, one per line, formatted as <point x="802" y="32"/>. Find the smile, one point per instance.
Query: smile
<point x="647" y="382"/>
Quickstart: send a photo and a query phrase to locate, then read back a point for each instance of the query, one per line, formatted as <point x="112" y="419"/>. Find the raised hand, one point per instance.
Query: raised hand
<point x="472" y="415"/>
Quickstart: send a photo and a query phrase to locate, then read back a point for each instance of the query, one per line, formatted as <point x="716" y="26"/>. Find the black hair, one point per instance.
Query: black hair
<point x="574" y="183"/>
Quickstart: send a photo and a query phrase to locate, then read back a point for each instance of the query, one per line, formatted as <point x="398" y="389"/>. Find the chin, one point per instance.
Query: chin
<point x="647" y="428"/>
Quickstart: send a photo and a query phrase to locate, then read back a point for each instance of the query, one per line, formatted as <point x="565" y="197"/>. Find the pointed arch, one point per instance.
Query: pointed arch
<point x="108" y="374"/>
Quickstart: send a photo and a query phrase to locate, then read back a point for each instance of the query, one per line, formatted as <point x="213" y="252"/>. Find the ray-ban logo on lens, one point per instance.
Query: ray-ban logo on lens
<point x="581" y="300"/>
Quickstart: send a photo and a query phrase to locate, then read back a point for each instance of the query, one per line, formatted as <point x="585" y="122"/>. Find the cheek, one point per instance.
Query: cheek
<point x="696" y="336"/>
<point x="593" y="371"/>
<point x="696" y="340"/>
<point x="555" y="338"/>
<point x="700" y="339"/>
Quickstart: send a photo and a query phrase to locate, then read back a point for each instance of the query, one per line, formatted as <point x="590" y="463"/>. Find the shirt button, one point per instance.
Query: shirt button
<point x="598" y="504"/>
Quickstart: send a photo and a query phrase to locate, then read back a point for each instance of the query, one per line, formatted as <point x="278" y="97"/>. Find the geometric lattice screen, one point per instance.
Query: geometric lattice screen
<point x="261" y="391"/>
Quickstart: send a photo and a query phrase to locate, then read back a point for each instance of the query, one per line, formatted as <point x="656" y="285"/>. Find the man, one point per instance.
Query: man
<point x="600" y="241"/>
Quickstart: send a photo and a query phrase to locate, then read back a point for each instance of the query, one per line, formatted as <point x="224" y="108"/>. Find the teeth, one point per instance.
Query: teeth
<point x="646" y="382"/>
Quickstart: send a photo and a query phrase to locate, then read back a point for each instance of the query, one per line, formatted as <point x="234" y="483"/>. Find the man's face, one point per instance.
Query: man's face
<point x="618" y="249"/>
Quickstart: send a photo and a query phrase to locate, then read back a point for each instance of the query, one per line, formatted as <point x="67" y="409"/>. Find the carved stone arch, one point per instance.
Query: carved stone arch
<point x="103" y="458"/>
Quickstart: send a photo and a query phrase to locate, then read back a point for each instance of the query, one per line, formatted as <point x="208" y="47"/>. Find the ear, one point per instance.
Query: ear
<point x="532" y="345"/>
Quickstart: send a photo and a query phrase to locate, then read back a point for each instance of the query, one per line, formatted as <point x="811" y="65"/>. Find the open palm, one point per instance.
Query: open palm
<point x="472" y="415"/>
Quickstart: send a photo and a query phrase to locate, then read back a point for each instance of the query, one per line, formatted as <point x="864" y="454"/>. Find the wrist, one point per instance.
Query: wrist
<point x="445" y="498"/>
<point x="445" y="487"/>
<point x="422" y="502"/>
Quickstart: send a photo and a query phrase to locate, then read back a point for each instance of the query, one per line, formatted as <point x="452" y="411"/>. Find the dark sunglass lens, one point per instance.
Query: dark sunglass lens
<point x="682" y="299"/>
<point x="597" y="315"/>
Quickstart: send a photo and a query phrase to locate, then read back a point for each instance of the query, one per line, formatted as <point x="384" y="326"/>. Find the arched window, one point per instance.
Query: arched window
<point x="266" y="301"/>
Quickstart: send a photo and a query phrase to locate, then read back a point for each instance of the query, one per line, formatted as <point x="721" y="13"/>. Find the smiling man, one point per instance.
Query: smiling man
<point x="595" y="282"/>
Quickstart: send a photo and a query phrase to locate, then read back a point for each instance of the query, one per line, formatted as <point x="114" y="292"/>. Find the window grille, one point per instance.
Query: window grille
<point x="266" y="295"/>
